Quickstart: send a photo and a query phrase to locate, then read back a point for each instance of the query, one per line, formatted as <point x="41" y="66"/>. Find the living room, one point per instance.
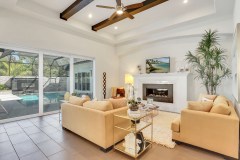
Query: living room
<point x="56" y="55"/>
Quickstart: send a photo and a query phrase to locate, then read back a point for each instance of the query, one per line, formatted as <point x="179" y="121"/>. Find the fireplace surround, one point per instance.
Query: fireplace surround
<point x="159" y="92"/>
<point x="172" y="85"/>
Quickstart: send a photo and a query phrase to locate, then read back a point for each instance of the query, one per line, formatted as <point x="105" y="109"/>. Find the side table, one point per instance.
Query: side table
<point x="126" y="128"/>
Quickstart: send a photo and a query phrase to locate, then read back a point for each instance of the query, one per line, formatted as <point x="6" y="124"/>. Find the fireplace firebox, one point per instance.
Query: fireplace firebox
<point x="159" y="92"/>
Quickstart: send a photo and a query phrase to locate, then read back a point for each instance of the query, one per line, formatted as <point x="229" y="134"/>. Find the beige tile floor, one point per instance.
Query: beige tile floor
<point x="42" y="138"/>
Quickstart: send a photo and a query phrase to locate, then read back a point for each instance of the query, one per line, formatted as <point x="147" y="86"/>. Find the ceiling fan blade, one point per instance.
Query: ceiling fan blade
<point x="112" y="16"/>
<point x="119" y="3"/>
<point x="108" y="7"/>
<point x="128" y="15"/>
<point x="134" y="6"/>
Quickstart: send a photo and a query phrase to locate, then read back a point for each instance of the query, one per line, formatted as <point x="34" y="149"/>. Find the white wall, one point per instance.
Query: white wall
<point x="186" y="39"/>
<point x="18" y="30"/>
<point x="236" y="14"/>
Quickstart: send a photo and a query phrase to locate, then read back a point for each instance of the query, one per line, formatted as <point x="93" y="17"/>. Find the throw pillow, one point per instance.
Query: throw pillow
<point x="121" y="92"/>
<point x="77" y="100"/>
<point x="207" y="97"/>
<point x="221" y="108"/>
<point x="221" y="99"/>
<point x="99" y="105"/>
<point x="118" y="103"/>
<point x="200" y="106"/>
<point x="86" y="97"/>
<point x="204" y="99"/>
<point x="67" y="96"/>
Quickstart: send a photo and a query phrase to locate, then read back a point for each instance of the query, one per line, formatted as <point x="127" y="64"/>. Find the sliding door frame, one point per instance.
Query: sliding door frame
<point x="41" y="53"/>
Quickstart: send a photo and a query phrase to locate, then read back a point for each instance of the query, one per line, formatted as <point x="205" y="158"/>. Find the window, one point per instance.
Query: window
<point x="83" y="81"/>
<point x="83" y="77"/>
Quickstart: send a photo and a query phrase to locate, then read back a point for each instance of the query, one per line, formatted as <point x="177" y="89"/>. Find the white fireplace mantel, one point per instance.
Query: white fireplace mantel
<point x="180" y="90"/>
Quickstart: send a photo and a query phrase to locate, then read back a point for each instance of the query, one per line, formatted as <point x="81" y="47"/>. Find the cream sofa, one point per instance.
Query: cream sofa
<point x="212" y="131"/>
<point x="91" y="124"/>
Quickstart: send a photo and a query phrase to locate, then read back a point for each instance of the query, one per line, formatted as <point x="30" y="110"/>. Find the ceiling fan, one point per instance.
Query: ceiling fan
<point x="121" y="9"/>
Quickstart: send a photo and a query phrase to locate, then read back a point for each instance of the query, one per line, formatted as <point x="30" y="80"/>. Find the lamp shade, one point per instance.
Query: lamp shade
<point x="128" y="79"/>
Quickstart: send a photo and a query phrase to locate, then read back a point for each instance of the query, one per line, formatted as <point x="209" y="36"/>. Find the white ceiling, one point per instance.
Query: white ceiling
<point x="159" y="18"/>
<point x="169" y="9"/>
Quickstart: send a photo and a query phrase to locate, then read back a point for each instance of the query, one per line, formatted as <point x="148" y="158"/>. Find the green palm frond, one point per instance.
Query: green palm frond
<point x="209" y="62"/>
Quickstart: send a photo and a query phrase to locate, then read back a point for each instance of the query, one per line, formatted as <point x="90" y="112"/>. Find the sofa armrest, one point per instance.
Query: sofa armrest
<point x="211" y="131"/>
<point x="109" y="126"/>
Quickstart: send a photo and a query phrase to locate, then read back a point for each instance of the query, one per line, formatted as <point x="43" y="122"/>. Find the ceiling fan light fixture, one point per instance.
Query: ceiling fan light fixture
<point x="119" y="11"/>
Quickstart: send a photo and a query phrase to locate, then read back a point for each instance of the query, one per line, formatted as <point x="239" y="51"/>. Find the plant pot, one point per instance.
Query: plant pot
<point x="133" y="107"/>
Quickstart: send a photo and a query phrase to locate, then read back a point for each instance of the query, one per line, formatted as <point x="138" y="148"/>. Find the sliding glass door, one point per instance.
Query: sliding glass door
<point x="35" y="83"/>
<point x="55" y="81"/>
<point x="19" y="93"/>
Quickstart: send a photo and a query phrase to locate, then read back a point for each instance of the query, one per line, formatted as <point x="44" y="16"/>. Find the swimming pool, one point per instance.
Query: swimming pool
<point x="29" y="97"/>
<point x="47" y="96"/>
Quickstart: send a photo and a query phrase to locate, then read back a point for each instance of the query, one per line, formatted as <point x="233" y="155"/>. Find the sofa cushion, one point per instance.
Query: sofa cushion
<point x="207" y="97"/>
<point x="77" y="100"/>
<point x="175" y="126"/>
<point x="99" y="105"/>
<point x="86" y="97"/>
<point x="67" y="96"/>
<point x="200" y="106"/>
<point x="221" y="99"/>
<point x="118" y="103"/>
<point x="221" y="108"/>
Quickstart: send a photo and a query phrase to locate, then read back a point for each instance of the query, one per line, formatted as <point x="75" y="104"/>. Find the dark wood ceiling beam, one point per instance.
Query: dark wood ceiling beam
<point x="147" y="4"/>
<point x="74" y="8"/>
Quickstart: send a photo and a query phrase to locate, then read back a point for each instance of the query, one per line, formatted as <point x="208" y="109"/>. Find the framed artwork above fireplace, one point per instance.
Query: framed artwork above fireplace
<point x="158" y="65"/>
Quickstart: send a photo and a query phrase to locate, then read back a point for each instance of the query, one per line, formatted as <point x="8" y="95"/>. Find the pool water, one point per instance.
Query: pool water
<point x="53" y="95"/>
<point x="47" y="96"/>
<point x="29" y="98"/>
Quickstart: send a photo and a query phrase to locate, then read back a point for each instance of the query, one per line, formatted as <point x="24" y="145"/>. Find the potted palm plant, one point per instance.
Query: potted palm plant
<point x="209" y="62"/>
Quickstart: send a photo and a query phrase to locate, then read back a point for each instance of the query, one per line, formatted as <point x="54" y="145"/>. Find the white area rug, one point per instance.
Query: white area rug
<point x="162" y="133"/>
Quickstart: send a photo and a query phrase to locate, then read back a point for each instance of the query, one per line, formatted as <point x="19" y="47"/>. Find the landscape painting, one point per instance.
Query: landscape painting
<point x="158" y="65"/>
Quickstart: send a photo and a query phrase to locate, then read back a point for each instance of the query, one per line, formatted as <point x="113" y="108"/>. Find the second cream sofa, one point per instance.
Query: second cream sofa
<point x="91" y="124"/>
<point x="212" y="131"/>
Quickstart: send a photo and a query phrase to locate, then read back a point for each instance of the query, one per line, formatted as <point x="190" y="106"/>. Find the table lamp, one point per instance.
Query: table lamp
<point x="129" y="83"/>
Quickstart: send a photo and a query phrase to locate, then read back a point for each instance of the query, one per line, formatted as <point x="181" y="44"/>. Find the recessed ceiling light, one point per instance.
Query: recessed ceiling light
<point x="115" y="27"/>
<point x="185" y="1"/>
<point x="90" y="15"/>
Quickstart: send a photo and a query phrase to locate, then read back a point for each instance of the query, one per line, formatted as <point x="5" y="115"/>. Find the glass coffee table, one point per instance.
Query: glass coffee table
<point x="150" y="108"/>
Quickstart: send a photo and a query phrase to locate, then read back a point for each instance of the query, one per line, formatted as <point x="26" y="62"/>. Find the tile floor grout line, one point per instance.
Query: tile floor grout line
<point x="12" y="145"/>
<point x="31" y="138"/>
<point x="50" y="139"/>
<point x="35" y="143"/>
